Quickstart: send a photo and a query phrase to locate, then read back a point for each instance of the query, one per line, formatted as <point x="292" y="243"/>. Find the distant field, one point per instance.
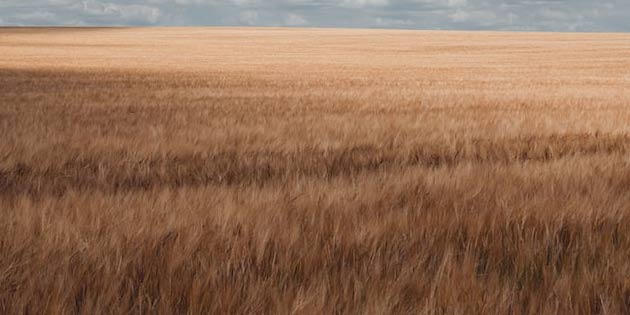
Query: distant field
<point x="320" y="171"/>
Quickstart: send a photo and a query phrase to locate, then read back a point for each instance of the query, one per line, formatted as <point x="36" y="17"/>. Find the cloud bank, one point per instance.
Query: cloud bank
<point x="526" y="15"/>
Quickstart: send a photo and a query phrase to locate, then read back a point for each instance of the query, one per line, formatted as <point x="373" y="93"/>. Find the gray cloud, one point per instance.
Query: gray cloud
<point x="534" y="15"/>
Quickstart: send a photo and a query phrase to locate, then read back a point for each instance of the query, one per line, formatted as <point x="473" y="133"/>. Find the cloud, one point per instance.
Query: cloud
<point x="248" y="17"/>
<point x="389" y="22"/>
<point x="77" y="12"/>
<point x="476" y="17"/>
<point x="364" y="3"/>
<point x="38" y="16"/>
<point x="457" y="3"/>
<point x="546" y="15"/>
<point x="294" y="20"/>
<point x="123" y="13"/>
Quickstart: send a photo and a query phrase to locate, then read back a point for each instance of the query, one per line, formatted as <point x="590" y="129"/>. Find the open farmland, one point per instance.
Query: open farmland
<point x="313" y="171"/>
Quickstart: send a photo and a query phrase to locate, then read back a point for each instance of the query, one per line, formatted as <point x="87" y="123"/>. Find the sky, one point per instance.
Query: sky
<point x="516" y="15"/>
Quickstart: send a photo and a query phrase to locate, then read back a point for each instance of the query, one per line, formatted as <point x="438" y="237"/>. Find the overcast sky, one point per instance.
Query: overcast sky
<point x="543" y="15"/>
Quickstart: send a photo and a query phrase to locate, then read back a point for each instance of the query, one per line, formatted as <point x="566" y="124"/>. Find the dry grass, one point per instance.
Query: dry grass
<point x="278" y="171"/>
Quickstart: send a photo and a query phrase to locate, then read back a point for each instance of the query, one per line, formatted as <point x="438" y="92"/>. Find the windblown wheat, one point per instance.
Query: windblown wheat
<point x="276" y="171"/>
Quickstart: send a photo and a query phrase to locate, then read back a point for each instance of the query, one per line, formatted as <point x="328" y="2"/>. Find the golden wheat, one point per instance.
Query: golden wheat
<point x="294" y="171"/>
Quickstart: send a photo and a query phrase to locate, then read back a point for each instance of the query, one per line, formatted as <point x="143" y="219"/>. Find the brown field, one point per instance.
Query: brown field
<point x="293" y="171"/>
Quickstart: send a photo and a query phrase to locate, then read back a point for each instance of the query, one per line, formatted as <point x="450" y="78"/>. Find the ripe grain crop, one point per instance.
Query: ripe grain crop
<point x="313" y="171"/>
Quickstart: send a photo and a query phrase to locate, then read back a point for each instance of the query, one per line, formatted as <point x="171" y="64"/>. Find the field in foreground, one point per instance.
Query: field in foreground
<point x="276" y="171"/>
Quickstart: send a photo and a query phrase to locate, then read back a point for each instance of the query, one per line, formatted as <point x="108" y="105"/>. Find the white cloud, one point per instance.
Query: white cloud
<point x="457" y="3"/>
<point x="388" y="22"/>
<point x="131" y="12"/>
<point x="459" y="16"/>
<point x="364" y="3"/>
<point x="294" y="20"/>
<point x="249" y="17"/>
<point x="475" y="17"/>
<point x="554" y="14"/>
<point x="38" y="15"/>
<point x="245" y="2"/>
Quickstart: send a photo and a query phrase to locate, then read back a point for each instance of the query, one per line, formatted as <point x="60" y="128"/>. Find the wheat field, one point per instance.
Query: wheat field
<point x="313" y="171"/>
